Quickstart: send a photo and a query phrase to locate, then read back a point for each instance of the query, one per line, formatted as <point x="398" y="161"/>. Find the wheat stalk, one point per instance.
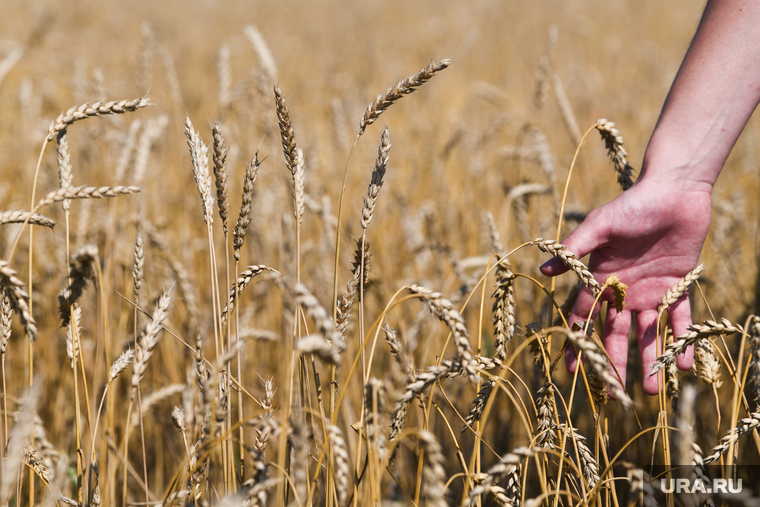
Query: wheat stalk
<point x="395" y="92"/>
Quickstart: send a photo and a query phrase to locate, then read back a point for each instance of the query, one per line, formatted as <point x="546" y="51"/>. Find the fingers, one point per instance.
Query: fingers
<point x="579" y="314"/>
<point x="646" y="332"/>
<point x="680" y="319"/>
<point x="587" y="237"/>
<point x="616" y="330"/>
<point x="553" y="267"/>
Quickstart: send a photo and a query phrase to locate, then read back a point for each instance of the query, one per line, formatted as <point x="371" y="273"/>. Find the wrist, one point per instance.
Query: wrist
<point x="675" y="166"/>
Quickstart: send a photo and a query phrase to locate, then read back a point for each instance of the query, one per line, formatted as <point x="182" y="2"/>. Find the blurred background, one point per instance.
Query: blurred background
<point x="526" y="80"/>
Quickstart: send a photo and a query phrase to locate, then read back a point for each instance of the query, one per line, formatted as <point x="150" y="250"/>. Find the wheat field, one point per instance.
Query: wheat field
<point x="284" y="253"/>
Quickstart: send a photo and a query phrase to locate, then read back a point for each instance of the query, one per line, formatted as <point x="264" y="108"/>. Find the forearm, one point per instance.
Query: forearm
<point x="715" y="92"/>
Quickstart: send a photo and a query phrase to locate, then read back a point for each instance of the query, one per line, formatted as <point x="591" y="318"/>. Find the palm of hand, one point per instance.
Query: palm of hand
<point x="650" y="236"/>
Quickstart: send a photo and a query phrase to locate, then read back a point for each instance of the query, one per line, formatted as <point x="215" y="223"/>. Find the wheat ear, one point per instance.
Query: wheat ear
<point x="77" y="113"/>
<point x="744" y="426"/>
<point x="546" y="405"/>
<point x="395" y="92"/>
<point x="445" y="311"/>
<point x="570" y="260"/>
<point x="15" y="290"/>
<point x="340" y="455"/>
<point x="220" y="174"/>
<point x="680" y="288"/>
<point x="260" y="47"/>
<point x="81" y="271"/>
<point x="199" y="157"/>
<point x="64" y="164"/>
<point x="138" y="270"/>
<point x="433" y="472"/>
<point x="508" y="466"/>
<point x="707" y="329"/>
<point x="588" y="463"/>
<point x="422" y="380"/>
<point x="503" y="309"/>
<point x="244" y="278"/>
<point x="754" y="361"/>
<point x="598" y="362"/>
<point x="478" y="404"/>
<point x="85" y="192"/>
<point x="244" y="218"/>
<point x="149" y="339"/>
<point x="376" y="183"/>
<point x="613" y="141"/>
<point x="18" y="216"/>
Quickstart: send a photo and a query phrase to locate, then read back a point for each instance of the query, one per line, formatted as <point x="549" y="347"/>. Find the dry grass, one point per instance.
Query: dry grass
<point x="266" y="393"/>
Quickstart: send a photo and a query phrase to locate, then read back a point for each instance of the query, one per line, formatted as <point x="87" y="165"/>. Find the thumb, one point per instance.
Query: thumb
<point x="587" y="237"/>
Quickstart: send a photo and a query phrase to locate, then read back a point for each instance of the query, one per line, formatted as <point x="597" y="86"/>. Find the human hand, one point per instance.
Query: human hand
<point x="650" y="236"/>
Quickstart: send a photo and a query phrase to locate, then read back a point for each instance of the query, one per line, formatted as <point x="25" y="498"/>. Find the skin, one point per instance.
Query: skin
<point x="652" y="234"/>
